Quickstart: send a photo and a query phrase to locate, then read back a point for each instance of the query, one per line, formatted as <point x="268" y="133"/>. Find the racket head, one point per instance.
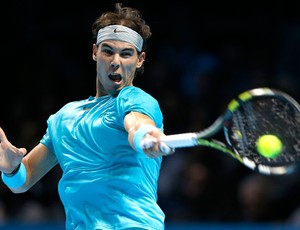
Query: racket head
<point x="258" y="112"/>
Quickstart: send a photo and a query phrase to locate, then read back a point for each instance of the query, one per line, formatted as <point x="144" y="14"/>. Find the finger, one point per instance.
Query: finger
<point x="148" y="142"/>
<point x="166" y="149"/>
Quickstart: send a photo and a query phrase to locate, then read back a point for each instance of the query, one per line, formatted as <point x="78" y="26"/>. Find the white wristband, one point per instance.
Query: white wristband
<point x="139" y="136"/>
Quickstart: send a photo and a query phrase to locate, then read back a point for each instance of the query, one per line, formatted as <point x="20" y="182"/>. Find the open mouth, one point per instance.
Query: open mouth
<point x="115" y="77"/>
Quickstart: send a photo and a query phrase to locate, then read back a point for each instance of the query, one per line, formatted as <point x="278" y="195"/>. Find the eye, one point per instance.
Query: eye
<point x="107" y="51"/>
<point x="126" y="54"/>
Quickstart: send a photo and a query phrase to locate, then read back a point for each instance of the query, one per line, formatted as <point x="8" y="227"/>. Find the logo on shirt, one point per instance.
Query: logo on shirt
<point x="85" y="108"/>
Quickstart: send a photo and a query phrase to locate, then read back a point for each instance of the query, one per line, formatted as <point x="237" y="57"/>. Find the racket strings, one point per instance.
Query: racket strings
<point x="269" y="115"/>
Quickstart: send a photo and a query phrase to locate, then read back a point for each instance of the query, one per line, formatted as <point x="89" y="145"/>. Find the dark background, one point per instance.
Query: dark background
<point x="201" y="55"/>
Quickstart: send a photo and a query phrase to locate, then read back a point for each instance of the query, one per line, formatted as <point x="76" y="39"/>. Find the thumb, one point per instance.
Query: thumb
<point x="22" y="151"/>
<point x="2" y="135"/>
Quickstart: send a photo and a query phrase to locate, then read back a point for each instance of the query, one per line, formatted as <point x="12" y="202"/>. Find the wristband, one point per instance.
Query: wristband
<point x="14" y="171"/>
<point x="17" y="180"/>
<point x="139" y="136"/>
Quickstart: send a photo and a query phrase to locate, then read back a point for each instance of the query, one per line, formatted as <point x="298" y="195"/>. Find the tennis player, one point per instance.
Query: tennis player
<point x="109" y="181"/>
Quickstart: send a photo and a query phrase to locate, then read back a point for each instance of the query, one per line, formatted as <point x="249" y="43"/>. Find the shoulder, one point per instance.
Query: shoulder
<point x="135" y="99"/>
<point x="134" y="92"/>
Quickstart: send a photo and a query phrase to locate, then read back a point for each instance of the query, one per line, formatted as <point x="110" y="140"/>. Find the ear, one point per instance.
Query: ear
<point x="141" y="60"/>
<point x="95" y="49"/>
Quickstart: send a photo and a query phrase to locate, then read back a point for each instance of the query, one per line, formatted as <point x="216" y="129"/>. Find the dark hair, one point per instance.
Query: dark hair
<point x="125" y="16"/>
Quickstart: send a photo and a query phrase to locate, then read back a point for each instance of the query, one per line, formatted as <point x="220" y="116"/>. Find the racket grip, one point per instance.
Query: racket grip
<point x="148" y="143"/>
<point x="170" y="142"/>
<point x="180" y="140"/>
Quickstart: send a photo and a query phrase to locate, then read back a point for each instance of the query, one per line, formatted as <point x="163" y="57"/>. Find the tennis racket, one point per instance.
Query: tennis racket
<point x="253" y="113"/>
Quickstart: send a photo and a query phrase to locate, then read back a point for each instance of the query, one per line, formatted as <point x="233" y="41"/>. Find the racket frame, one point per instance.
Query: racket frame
<point x="201" y="138"/>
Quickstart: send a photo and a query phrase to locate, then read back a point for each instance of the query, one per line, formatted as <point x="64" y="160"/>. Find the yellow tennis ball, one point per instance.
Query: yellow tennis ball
<point x="269" y="146"/>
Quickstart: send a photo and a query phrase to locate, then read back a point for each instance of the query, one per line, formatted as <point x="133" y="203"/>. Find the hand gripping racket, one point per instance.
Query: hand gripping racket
<point x="252" y="114"/>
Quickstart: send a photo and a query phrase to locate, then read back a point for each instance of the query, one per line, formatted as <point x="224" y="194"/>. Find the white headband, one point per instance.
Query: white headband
<point x="120" y="33"/>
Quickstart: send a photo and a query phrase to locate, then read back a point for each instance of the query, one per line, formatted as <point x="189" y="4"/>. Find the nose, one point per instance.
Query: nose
<point x="114" y="65"/>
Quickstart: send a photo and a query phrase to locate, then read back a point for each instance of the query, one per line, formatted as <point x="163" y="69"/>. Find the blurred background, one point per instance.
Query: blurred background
<point x="201" y="55"/>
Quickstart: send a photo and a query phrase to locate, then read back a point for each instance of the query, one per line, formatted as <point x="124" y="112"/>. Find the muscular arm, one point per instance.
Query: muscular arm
<point x="38" y="162"/>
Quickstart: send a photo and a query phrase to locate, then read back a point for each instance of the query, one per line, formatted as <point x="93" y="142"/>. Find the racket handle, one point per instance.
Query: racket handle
<point x="180" y="140"/>
<point x="170" y="142"/>
<point x="148" y="143"/>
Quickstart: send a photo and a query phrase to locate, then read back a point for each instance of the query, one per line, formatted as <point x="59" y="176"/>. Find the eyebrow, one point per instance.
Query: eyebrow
<point x="105" y="45"/>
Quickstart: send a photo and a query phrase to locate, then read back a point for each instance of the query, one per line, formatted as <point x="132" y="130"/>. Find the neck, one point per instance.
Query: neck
<point x="99" y="91"/>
